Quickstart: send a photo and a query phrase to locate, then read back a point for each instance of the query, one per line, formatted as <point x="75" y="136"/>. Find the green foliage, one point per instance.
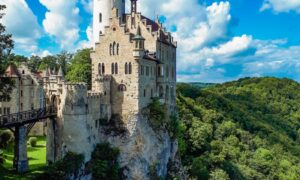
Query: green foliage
<point x="157" y="114"/>
<point x="174" y="126"/>
<point x="104" y="164"/>
<point x="6" y="46"/>
<point x="246" y="129"/>
<point x="80" y="69"/>
<point x="32" y="141"/>
<point x="62" y="169"/>
<point x="6" y="137"/>
<point x="218" y="174"/>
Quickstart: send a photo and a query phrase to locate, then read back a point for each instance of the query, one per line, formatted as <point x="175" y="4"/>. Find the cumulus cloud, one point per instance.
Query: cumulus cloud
<point x="87" y="5"/>
<point x="62" y="21"/>
<point x="22" y="24"/>
<point x="281" y="5"/>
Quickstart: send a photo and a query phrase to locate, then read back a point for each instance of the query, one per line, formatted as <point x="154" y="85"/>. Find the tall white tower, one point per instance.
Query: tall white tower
<point x="102" y="13"/>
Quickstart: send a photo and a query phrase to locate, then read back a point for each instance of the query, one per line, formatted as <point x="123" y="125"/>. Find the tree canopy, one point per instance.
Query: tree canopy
<point x="6" y="46"/>
<point x="246" y="129"/>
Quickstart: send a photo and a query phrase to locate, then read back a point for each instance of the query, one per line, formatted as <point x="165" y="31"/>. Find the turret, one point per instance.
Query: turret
<point x="102" y="15"/>
<point x="139" y="43"/>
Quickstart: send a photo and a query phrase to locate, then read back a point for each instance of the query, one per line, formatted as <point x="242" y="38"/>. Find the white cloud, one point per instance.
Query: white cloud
<point x="281" y="5"/>
<point x="87" y="5"/>
<point x="62" y="21"/>
<point x="22" y="24"/>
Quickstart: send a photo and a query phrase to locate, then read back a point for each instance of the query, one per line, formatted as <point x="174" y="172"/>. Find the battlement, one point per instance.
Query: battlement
<point x="76" y="87"/>
<point x="94" y="95"/>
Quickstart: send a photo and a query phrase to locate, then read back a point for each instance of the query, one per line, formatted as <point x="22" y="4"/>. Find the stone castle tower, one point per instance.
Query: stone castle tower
<point x="140" y="57"/>
<point x="133" y="62"/>
<point x="102" y="14"/>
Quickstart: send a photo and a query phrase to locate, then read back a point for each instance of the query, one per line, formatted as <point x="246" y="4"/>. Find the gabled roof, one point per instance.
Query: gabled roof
<point x="12" y="71"/>
<point x="153" y="24"/>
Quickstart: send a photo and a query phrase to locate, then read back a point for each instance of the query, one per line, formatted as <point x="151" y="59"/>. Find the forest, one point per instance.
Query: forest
<point x="246" y="129"/>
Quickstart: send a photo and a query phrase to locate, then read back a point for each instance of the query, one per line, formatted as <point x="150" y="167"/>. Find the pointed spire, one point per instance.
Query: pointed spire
<point x="60" y="72"/>
<point x="138" y="35"/>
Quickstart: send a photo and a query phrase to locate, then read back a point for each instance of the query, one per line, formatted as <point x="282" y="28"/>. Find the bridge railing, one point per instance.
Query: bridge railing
<point x="23" y="117"/>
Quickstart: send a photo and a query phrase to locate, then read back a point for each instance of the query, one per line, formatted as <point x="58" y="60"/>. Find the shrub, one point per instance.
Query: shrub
<point x="6" y="137"/>
<point x="104" y="164"/>
<point x="33" y="141"/>
<point x="62" y="169"/>
<point x="157" y="114"/>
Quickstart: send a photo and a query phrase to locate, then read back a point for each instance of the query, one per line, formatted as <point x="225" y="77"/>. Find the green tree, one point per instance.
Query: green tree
<point x="80" y="69"/>
<point x="63" y="60"/>
<point x="6" y="46"/>
<point x="104" y="164"/>
<point x="48" y="62"/>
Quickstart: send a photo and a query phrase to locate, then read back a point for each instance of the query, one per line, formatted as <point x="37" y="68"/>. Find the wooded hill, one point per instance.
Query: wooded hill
<point x="246" y="129"/>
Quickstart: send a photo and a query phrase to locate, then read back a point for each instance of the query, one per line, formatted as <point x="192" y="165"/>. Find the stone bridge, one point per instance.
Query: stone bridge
<point x="20" y="124"/>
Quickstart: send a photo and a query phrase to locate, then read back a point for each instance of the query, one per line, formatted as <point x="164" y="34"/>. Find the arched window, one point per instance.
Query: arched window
<point x="114" y="48"/>
<point x="112" y="68"/>
<point x="126" y="68"/>
<point x="118" y="49"/>
<point x="130" y="68"/>
<point x="103" y="68"/>
<point x="110" y="49"/>
<point x="116" y="68"/>
<point x="122" y="88"/>
<point x="99" y="68"/>
<point x="100" y="17"/>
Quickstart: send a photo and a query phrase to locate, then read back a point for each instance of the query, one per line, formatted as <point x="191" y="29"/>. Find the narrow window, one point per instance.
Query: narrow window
<point x="116" y="68"/>
<point x="0" y="111"/>
<point x="110" y="49"/>
<point x="112" y="68"/>
<point x="118" y="49"/>
<point x="130" y="68"/>
<point x="126" y="68"/>
<point x="114" y="47"/>
<point x="103" y="68"/>
<point x="145" y="93"/>
<point x="100" y="17"/>
<point x="21" y="93"/>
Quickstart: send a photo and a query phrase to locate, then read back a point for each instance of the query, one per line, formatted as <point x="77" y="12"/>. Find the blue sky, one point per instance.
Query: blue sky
<point x="218" y="41"/>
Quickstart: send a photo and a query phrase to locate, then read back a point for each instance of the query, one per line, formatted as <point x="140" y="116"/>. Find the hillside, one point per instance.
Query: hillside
<point x="247" y="129"/>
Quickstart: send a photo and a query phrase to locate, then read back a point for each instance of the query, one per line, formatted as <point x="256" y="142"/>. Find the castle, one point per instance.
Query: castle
<point x="133" y="62"/>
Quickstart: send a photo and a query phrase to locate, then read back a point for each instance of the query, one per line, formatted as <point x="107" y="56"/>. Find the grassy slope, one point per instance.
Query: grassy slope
<point x="37" y="160"/>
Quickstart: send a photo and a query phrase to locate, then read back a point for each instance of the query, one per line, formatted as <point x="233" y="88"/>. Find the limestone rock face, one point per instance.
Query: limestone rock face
<point x="140" y="148"/>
